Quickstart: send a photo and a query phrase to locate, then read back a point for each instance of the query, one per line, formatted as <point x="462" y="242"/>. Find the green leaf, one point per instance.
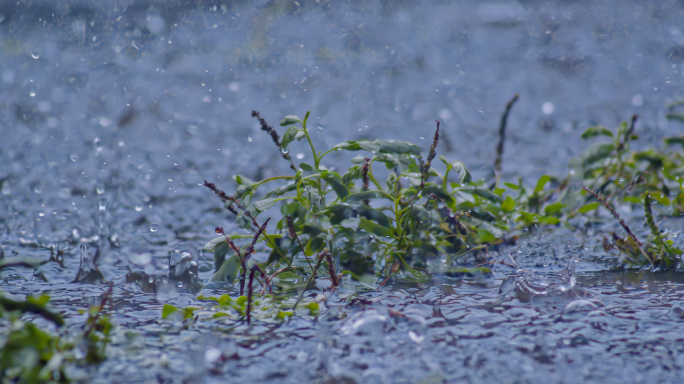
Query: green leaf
<point x="389" y="160"/>
<point x="485" y="236"/>
<point x="335" y="181"/>
<point x="462" y="172"/>
<point x="588" y="207"/>
<point x="508" y="204"/>
<point x="374" y="228"/>
<point x="353" y="173"/>
<point x="553" y="208"/>
<point x="292" y="134"/>
<point x="262" y="205"/>
<point x="168" y="309"/>
<point x="432" y="189"/>
<point x="541" y="183"/>
<point x="485" y="193"/>
<point x="398" y="147"/>
<point x="512" y="186"/>
<point x="289" y="120"/>
<point x="306" y="167"/>
<point x="338" y="213"/>
<point x="371" y="213"/>
<point x="674" y="140"/>
<point x="315" y="244"/>
<point x="358" y="160"/>
<point x="367" y="195"/>
<point x="596" y="131"/>
<point x="228" y="271"/>
<point x="675" y="116"/>
<point x="598" y="152"/>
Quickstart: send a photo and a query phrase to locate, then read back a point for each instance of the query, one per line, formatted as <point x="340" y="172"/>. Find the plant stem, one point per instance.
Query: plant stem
<point x="502" y="138"/>
<point x="622" y="222"/>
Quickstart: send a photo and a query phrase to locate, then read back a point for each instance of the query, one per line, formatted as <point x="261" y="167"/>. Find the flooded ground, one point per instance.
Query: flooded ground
<point x="111" y="116"/>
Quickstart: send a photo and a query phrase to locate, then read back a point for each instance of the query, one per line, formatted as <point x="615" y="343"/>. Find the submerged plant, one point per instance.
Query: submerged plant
<point x="33" y="354"/>
<point x="419" y="221"/>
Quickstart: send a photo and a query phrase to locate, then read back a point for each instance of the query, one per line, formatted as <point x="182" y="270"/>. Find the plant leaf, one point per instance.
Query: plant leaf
<point x="588" y="207"/>
<point x="289" y="120"/>
<point x="228" y="271"/>
<point x="374" y="228"/>
<point x="508" y="204"/>
<point x="335" y="181"/>
<point x="367" y="195"/>
<point x="541" y="183"/>
<point x="596" y="131"/>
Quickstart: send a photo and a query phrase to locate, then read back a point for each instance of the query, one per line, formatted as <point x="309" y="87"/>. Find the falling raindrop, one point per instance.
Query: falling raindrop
<point x="154" y="227"/>
<point x="35" y="55"/>
<point x="97" y="143"/>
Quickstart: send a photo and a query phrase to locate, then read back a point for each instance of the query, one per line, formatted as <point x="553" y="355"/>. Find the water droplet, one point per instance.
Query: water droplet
<point x="32" y="94"/>
<point x="154" y="227"/>
<point x="102" y="204"/>
<point x="284" y="151"/>
<point x="6" y="190"/>
<point x="97" y="143"/>
<point x="151" y="280"/>
<point x="37" y="189"/>
<point x="100" y="189"/>
<point x="180" y="284"/>
<point x="212" y="354"/>
<point x="35" y="55"/>
<point x="300" y="156"/>
<point x="548" y="108"/>
<point x="138" y="209"/>
<point x="73" y="157"/>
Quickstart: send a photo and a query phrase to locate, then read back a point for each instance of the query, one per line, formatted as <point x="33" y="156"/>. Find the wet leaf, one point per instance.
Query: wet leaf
<point x="228" y="271"/>
<point x="292" y="134"/>
<point x="335" y="182"/>
<point x="375" y="215"/>
<point x="589" y="207"/>
<point x="289" y="120"/>
<point x="374" y="228"/>
<point x="306" y="167"/>
<point x="168" y="309"/>
<point x="553" y="208"/>
<point x="508" y="204"/>
<point x="596" y="131"/>
<point x="541" y="183"/>
<point x="367" y="195"/>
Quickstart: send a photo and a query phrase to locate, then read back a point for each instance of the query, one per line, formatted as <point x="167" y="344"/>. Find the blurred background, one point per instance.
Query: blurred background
<point x="112" y="112"/>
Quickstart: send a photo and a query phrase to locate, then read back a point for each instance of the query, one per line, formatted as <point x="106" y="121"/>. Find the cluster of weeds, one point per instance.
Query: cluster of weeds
<point x="30" y="353"/>
<point x="397" y="213"/>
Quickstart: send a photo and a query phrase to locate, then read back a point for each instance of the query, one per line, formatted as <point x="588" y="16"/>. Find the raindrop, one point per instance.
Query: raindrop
<point x="212" y="354"/>
<point x="284" y="151"/>
<point x="6" y="190"/>
<point x="151" y="280"/>
<point x="138" y="209"/>
<point x="32" y="94"/>
<point x="548" y="108"/>
<point x="35" y="55"/>
<point x="102" y="204"/>
<point x="97" y="143"/>
<point x="37" y="189"/>
<point x="300" y="156"/>
<point x="154" y="227"/>
<point x="73" y="157"/>
<point x="100" y="189"/>
<point x="180" y="284"/>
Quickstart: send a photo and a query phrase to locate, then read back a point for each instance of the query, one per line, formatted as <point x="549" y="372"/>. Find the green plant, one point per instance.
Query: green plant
<point x="29" y="354"/>
<point x="418" y="221"/>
